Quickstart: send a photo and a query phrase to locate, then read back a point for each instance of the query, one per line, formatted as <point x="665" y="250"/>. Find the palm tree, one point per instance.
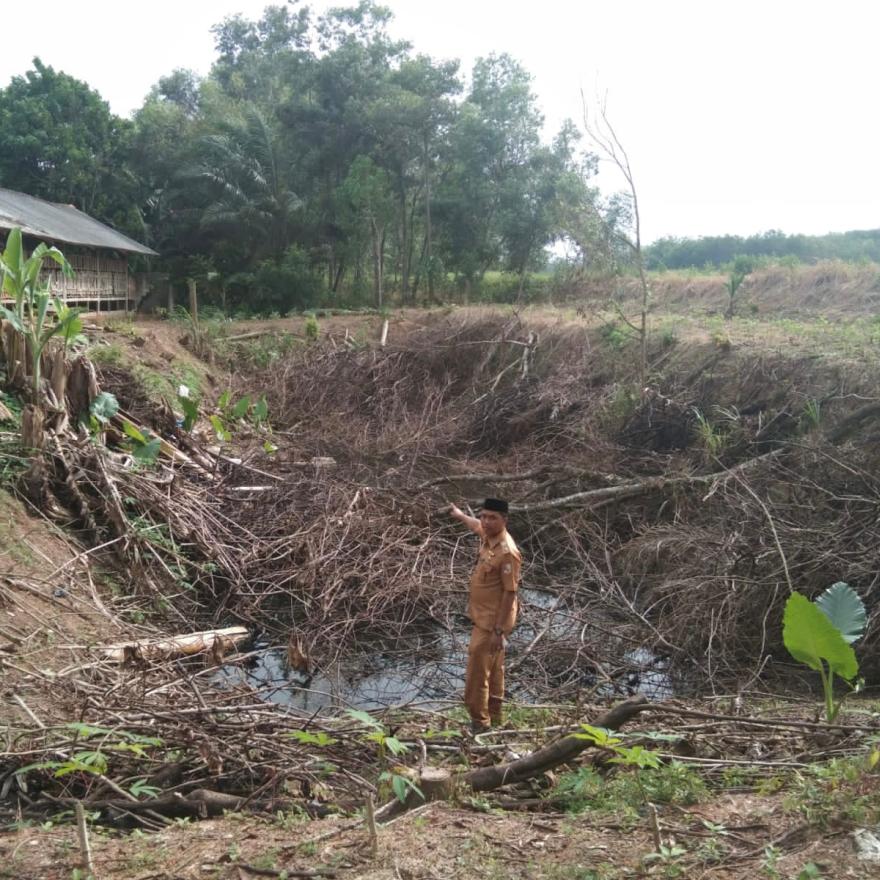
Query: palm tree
<point x="248" y="183"/>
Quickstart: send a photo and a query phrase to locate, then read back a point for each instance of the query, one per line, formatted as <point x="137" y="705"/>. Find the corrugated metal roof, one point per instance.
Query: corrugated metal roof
<point x="61" y="223"/>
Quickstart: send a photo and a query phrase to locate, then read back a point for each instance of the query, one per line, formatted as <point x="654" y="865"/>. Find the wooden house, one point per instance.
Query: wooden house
<point x="98" y="254"/>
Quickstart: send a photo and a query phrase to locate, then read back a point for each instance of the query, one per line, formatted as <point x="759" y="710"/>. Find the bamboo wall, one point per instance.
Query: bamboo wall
<point x="100" y="284"/>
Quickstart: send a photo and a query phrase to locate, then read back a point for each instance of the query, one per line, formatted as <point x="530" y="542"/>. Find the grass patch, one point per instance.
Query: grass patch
<point x="111" y="355"/>
<point x="163" y="386"/>
<point x="624" y="791"/>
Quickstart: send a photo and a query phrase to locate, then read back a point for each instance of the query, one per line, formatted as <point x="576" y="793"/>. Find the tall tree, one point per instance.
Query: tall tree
<point x="59" y="141"/>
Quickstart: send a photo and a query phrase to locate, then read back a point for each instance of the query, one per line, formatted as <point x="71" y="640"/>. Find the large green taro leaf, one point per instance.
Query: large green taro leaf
<point x="843" y="607"/>
<point x="811" y="638"/>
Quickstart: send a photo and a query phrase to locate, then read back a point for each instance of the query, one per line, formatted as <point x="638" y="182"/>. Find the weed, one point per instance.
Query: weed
<point x="623" y="404"/>
<point x="95" y="758"/>
<point x="527" y="716"/>
<point x="267" y="861"/>
<point x="615" y="335"/>
<point x="123" y="326"/>
<point x="310" y="329"/>
<point x="673" y="783"/>
<point x="722" y="341"/>
<point x="291" y="818"/>
<point x="708" y="436"/>
<point x="669" y="857"/>
<point x="825" y="794"/>
<point x="812" y="415"/>
<point x="772" y="855"/>
<point x="711" y="850"/>
<point x="668" y="337"/>
<point x="820" y="635"/>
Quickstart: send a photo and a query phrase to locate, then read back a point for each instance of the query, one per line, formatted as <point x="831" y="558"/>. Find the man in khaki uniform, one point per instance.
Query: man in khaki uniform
<point x="492" y="608"/>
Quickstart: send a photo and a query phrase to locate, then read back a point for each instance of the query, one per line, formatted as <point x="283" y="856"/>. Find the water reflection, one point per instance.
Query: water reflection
<point x="430" y="672"/>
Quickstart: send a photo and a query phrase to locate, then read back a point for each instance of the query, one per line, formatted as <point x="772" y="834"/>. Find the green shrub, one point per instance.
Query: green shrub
<point x="289" y="282"/>
<point x="615" y="334"/>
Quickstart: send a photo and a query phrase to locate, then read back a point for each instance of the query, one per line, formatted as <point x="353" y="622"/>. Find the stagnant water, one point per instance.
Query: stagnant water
<point x="429" y="673"/>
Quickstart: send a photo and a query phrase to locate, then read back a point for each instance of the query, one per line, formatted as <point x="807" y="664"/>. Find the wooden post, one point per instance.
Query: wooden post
<point x="82" y="832"/>
<point x="193" y="302"/>
<point x="370" y="817"/>
<point x="170" y="297"/>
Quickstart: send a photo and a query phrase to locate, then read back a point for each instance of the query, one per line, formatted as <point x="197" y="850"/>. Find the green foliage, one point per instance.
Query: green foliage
<point x="30" y="315"/>
<point x="653" y="780"/>
<point x="142" y="787"/>
<point x="586" y="789"/>
<point x="812" y="415"/>
<point x="615" y="334"/>
<point x="101" y="410"/>
<point x="190" y="408"/>
<point x="844" y="608"/>
<point x="833" y="792"/>
<point x="742" y="266"/>
<point x="310" y="328"/>
<point x="95" y="760"/>
<point x="710" y="438"/>
<point x="59" y="141"/>
<point x="142" y="445"/>
<point x="813" y="633"/>
<point x="668" y="856"/>
<point x="233" y="412"/>
<point x="400" y="785"/>
<point x="306" y="737"/>
<point x="787" y="250"/>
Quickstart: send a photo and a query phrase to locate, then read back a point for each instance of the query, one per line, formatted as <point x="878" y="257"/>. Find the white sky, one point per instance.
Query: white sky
<point x="738" y="116"/>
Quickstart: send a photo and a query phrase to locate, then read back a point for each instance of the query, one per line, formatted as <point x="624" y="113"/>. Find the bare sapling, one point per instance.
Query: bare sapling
<point x="603" y="135"/>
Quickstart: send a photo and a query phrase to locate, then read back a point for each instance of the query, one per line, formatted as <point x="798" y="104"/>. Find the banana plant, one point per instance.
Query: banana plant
<point x="30" y="315"/>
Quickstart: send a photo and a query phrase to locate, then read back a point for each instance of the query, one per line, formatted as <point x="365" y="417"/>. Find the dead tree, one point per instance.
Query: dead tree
<point x="600" y="130"/>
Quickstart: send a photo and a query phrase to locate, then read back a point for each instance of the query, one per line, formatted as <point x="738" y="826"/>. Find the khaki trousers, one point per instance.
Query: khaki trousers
<point x="484" y="680"/>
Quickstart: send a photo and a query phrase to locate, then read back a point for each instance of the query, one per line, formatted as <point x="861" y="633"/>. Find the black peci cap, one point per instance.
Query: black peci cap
<point x="496" y="504"/>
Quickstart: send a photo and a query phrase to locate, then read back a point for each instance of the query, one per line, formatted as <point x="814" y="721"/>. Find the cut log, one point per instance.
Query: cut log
<point x="190" y="643"/>
<point x="198" y="804"/>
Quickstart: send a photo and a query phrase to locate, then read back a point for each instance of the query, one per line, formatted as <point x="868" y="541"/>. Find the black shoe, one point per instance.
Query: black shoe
<point x="478" y="727"/>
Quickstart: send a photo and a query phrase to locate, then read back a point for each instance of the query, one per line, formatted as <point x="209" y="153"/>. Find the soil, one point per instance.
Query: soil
<point x="447" y="842"/>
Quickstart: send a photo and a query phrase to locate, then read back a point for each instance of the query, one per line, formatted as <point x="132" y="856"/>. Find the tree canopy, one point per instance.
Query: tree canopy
<point x="319" y="155"/>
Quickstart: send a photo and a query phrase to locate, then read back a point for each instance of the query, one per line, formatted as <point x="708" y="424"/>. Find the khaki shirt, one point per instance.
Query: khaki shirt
<point x="497" y="570"/>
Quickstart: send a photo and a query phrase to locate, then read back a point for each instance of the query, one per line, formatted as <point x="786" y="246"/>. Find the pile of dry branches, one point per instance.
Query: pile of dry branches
<point x="649" y="535"/>
<point x="660" y="555"/>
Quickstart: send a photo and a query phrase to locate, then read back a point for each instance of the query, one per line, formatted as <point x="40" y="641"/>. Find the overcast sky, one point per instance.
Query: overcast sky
<point x="738" y="116"/>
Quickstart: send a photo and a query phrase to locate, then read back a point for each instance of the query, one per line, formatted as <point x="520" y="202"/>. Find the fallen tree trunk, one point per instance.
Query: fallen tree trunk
<point x="436" y="783"/>
<point x="189" y="643"/>
<point x="198" y="804"/>
<point x="554" y="754"/>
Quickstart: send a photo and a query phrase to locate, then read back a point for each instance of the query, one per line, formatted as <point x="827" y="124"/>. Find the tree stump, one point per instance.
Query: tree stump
<point x="436" y="784"/>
